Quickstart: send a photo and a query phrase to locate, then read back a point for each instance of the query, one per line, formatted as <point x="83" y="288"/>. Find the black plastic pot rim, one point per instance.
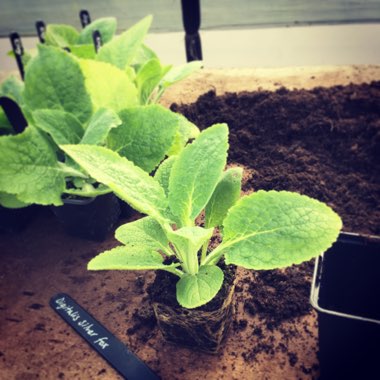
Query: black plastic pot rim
<point x="315" y="286"/>
<point x="78" y="201"/>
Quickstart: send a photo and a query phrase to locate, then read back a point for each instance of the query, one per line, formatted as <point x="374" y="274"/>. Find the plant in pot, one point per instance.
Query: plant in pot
<point x="264" y="230"/>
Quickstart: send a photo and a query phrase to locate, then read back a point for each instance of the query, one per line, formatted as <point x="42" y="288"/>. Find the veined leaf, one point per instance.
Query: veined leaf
<point x="196" y="173"/>
<point x="54" y="80"/>
<point x="226" y="194"/>
<point x="61" y="35"/>
<point x="62" y="126"/>
<point x="128" y="258"/>
<point x="29" y="168"/>
<point x="146" y="134"/>
<point x="145" y="232"/>
<point x="108" y="86"/>
<point x="148" y="77"/>
<point x="99" y="126"/>
<point x="186" y="131"/>
<point x="196" y="290"/>
<point x="188" y="241"/>
<point x="178" y="73"/>
<point x="162" y="174"/>
<point x="106" y="27"/>
<point x="11" y="201"/>
<point x="128" y="181"/>
<point x="122" y="49"/>
<point x="273" y="229"/>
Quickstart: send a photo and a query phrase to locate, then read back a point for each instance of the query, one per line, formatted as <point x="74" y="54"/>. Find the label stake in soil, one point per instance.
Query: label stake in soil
<point x="101" y="340"/>
<point x="97" y="39"/>
<point x="18" y="51"/>
<point x="85" y="18"/>
<point x="41" y="29"/>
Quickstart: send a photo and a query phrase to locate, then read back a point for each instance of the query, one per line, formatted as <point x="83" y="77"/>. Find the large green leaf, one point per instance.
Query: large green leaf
<point x="273" y="229"/>
<point x="106" y="27"/>
<point x="145" y="232"/>
<point x="121" y="50"/>
<point x="62" y="126"/>
<point x="128" y="258"/>
<point x="178" y="73"/>
<point x="226" y="194"/>
<point x="162" y="174"/>
<point x="13" y="88"/>
<point x="108" y="86"/>
<point x="128" y="181"/>
<point x="146" y="134"/>
<point x="83" y="51"/>
<point x="188" y="241"/>
<point x="196" y="290"/>
<point x="148" y="77"/>
<point x="54" y="80"/>
<point x="61" y="35"/>
<point x="11" y="201"/>
<point x="196" y="173"/>
<point x="29" y="168"/>
<point x="99" y="126"/>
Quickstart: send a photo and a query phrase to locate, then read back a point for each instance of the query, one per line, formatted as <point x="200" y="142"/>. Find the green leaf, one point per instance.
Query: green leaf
<point x="99" y="126"/>
<point x="162" y="174"/>
<point x="106" y="27"/>
<point x="196" y="173"/>
<point x="128" y="258"/>
<point x="145" y="232"/>
<point x="144" y="54"/>
<point x="62" y="126"/>
<point x="188" y="241"/>
<point x="29" y="168"/>
<point x="226" y="194"/>
<point x="126" y="180"/>
<point x="108" y="86"/>
<point x="11" y="201"/>
<point x="121" y="50"/>
<point x="146" y="134"/>
<point x="61" y="35"/>
<point x="186" y="131"/>
<point x="83" y="51"/>
<point x="273" y="229"/>
<point x="196" y="290"/>
<point x="13" y="88"/>
<point x="54" y="80"/>
<point x="179" y="73"/>
<point x="148" y="78"/>
<point x="6" y="127"/>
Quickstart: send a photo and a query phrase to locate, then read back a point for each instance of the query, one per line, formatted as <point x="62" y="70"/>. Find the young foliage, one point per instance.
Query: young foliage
<point x="264" y="230"/>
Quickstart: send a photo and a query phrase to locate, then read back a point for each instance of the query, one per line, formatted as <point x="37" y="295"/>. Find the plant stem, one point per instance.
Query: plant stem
<point x="214" y="256"/>
<point x="71" y="172"/>
<point x="175" y="271"/>
<point x="204" y="251"/>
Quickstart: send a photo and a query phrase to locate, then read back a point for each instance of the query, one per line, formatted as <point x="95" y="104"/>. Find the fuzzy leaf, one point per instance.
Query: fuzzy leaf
<point x="126" y="180"/>
<point x="162" y="174"/>
<point x="63" y="127"/>
<point x="54" y="80"/>
<point x="186" y="131"/>
<point x="13" y="88"/>
<point x="226" y="194"/>
<point x="144" y="54"/>
<point x="29" y="168"/>
<point x="121" y="50"/>
<point x="127" y="258"/>
<point x="61" y="35"/>
<point x="11" y="201"/>
<point x="178" y="73"/>
<point x="106" y="27"/>
<point x="196" y="173"/>
<point x="196" y="290"/>
<point x="83" y="51"/>
<point x="108" y="86"/>
<point x="145" y="135"/>
<point x="145" y="232"/>
<point x="99" y="126"/>
<point x="148" y="77"/>
<point x="273" y="229"/>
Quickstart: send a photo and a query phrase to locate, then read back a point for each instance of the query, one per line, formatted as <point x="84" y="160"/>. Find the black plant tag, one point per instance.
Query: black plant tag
<point x="85" y="18"/>
<point x="41" y="29"/>
<point x="101" y="340"/>
<point x="97" y="39"/>
<point x="18" y="51"/>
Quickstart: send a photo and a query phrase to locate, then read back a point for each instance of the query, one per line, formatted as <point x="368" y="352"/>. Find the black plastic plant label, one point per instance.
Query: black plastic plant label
<point x="97" y="39"/>
<point x="85" y="18"/>
<point x="101" y="340"/>
<point x="41" y="29"/>
<point x="18" y="51"/>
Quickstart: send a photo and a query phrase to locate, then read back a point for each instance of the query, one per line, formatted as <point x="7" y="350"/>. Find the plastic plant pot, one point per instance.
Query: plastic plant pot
<point x="346" y="294"/>
<point x="15" y="220"/>
<point x="204" y="328"/>
<point x="89" y="218"/>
